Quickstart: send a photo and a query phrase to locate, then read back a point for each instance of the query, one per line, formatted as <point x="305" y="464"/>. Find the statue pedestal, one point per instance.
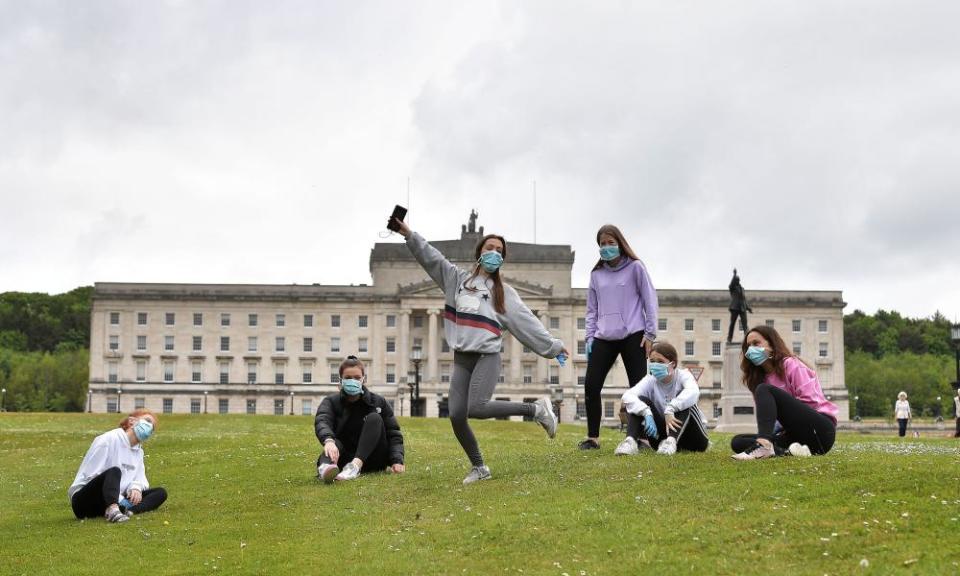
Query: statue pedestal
<point x="738" y="413"/>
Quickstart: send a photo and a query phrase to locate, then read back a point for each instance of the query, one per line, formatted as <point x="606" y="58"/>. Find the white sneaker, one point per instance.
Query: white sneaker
<point x="545" y="416"/>
<point x="628" y="447"/>
<point x="349" y="472"/>
<point x="668" y="446"/>
<point x="476" y="474"/>
<point x="799" y="450"/>
<point x="756" y="452"/>
<point x="327" y="472"/>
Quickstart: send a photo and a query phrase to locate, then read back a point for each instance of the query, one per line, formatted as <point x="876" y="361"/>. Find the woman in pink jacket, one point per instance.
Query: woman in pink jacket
<point x="786" y="392"/>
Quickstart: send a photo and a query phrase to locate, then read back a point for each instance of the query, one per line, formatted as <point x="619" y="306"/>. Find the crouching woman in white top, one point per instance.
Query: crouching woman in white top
<point x="662" y="410"/>
<point x="112" y="481"/>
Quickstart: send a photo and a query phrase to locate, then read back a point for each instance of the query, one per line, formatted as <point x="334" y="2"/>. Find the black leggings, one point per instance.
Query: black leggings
<point x="902" y="423"/>
<point x="800" y="422"/>
<point x="602" y="356"/>
<point x="690" y="436"/>
<point x="371" y="446"/>
<point x="102" y="492"/>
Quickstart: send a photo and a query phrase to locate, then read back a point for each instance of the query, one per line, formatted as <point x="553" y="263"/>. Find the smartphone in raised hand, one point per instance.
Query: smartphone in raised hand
<point x="399" y="213"/>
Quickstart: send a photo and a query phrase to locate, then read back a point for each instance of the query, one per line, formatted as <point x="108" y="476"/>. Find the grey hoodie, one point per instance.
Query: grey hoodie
<point x="471" y="323"/>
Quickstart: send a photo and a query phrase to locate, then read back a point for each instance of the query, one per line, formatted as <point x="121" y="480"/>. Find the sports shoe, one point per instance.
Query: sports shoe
<point x="668" y="446"/>
<point x="799" y="450"/>
<point x="627" y="447"/>
<point x="327" y="472"/>
<point x="588" y="444"/>
<point x="545" y="416"/>
<point x="476" y="474"/>
<point x="114" y="515"/>
<point x="349" y="472"/>
<point x="756" y="452"/>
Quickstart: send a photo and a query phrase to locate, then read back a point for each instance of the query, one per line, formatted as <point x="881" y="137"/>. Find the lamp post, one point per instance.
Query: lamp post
<point x="938" y="418"/>
<point x="89" y="400"/>
<point x="416" y="355"/>
<point x="291" y="403"/>
<point x="856" y="408"/>
<point x="3" y="401"/>
<point x="205" y="392"/>
<point x="556" y="395"/>
<point x="119" y="392"/>
<point x="955" y="337"/>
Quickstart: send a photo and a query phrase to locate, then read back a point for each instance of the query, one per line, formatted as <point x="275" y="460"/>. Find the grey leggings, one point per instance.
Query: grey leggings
<point x="474" y="378"/>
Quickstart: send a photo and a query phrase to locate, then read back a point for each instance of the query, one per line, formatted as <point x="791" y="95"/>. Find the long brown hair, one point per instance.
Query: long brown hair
<point x="125" y="423"/>
<point x="755" y="375"/>
<point x="498" y="300"/>
<point x="625" y="250"/>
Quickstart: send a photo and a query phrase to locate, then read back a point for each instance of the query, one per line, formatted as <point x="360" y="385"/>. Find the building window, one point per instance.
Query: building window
<point x="306" y="407"/>
<point x="251" y="343"/>
<point x="170" y="319"/>
<point x="168" y="371"/>
<point x="278" y="407"/>
<point x="501" y="378"/>
<point x="112" y="404"/>
<point x="362" y="321"/>
<point x="281" y="344"/>
<point x="278" y="375"/>
<point x="391" y="344"/>
<point x="114" y="342"/>
<point x="141" y="371"/>
<point x="141" y="342"/>
<point x="281" y="320"/>
<point x="197" y="343"/>
<point x="334" y="373"/>
<point x="797" y="348"/>
<point x="581" y="323"/>
<point x="445" y="373"/>
<point x="553" y="373"/>
<point x="198" y="319"/>
<point x="168" y="342"/>
<point x="251" y="372"/>
<point x="444" y="347"/>
<point x="581" y="410"/>
<point x="554" y="322"/>
<point x="114" y="318"/>
<point x="251" y="406"/>
<point x="308" y="344"/>
<point x="308" y="320"/>
<point x="223" y="405"/>
<point x="141" y="318"/>
<point x="418" y="343"/>
<point x="717" y="376"/>
<point x="391" y="321"/>
<point x="391" y="373"/>
<point x="335" y="344"/>
<point x="362" y="345"/>
<point x="581" y="374"/>
<point x="112" y="375"/>
<point x="308" y="375"/>
<point x="224" y="343"/>
<point x="661" y="324"/>
<point x="823" y="349"/>
<point x="252" y="319"/>
<point x="224" y="373"/>
<point x="825" y="375"/>
<point x="225" y="319"/>
<point x="688" y="324"/>
<point x="168" y="405"/>
<point x="716" y="348"/>
<point x="334" y="320"/>
<point x="139" y="403"/>
<point x="769" y="323"/>
<point x="608" y="409"/>
<point x="527" y="374"/>
<point x="526" y="350"/>
<point x="581" y="347"/>
<point x="417" y="321"/>
<point x="796" y="326"/>
<point x="196" y="371"/>
<point x="822" y="326"/>
<point x="715" y="324"/>
<point x="194" y="405"/>
<point x="688" y="348"/>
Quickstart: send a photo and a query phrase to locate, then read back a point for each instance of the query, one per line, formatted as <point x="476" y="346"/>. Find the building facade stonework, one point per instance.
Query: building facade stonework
<point x="275" y="349"/>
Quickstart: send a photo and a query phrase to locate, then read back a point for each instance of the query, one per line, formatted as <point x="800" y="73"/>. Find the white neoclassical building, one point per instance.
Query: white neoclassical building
<point x="275" y="349"/>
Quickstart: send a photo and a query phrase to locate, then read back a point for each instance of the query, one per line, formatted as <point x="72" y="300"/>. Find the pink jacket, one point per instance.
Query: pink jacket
<point x="802" y="383"/>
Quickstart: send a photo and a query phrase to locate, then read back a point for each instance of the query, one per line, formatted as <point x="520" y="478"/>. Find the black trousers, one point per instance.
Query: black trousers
<point x="800" y="423"/>
<point x="957" y="433"/>
<point x="734" y="314"/>
<point x="691" y="436"/>
<point x="902" y="423"/>
<point x="602" y="356"/>
<point x="371" y="446"/>
<point x="101" y="492"/>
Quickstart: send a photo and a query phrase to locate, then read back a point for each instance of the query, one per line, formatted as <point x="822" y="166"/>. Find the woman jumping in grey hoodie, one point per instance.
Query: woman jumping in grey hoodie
<point x="478" y="306"/>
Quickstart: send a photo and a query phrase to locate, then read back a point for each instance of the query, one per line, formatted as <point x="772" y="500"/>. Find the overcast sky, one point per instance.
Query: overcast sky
<point x="812" y="144"/>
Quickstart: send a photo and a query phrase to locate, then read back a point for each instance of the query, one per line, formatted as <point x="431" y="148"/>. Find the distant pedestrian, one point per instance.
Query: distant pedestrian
<point x="901" y="411"/>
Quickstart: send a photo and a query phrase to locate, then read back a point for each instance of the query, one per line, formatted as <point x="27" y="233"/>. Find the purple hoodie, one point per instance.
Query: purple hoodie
<point x="621" y="301"/>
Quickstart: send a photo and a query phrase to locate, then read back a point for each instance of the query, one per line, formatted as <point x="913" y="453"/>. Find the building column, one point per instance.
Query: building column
<point x="515" y="374"/>
<point x="403" y="349"/>
<point x="433" y="346"/>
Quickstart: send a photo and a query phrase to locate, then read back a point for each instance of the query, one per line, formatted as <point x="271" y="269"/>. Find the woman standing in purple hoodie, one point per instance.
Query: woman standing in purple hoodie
<point x="621" y="321"/>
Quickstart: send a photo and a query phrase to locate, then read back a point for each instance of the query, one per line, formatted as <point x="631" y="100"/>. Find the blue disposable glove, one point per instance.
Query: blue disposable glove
<point x="562" y="359"/>
<point x="589" y="348"/>
<point x="650" y="426"/>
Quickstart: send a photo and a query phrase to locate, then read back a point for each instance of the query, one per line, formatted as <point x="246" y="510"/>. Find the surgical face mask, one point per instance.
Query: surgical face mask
<point x="659" y="370"/>
<point x="757" y="355"/>
<point x="352" y="387"/>
<point x="608" y="253"/>
<point x="143" y="429"/>
<point x="491" y="261"/>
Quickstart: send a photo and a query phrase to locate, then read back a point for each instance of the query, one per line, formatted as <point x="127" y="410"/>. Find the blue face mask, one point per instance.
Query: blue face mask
<point x="757" y="355"/>
<point x="658" y="370"/>
<point x="143" y="430"/>
<point x="352" y="387"/>
<point x="491" y="261"/>
<point x="608" y="253"/>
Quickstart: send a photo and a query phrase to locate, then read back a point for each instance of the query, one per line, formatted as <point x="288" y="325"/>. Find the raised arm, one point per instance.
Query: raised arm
<point x="527" y="328"/>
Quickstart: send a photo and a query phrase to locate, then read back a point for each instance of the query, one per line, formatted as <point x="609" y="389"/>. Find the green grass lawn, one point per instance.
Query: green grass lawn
<point x="244" y="500"/>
